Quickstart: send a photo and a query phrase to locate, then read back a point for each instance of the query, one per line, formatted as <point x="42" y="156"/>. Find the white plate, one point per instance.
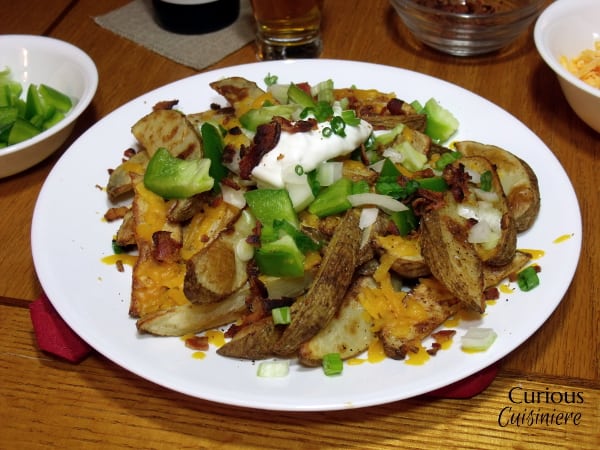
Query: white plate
<point x="69" y="238"/>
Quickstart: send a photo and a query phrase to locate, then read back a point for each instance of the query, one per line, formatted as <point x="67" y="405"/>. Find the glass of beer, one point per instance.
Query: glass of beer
<point x="288" y="28"/>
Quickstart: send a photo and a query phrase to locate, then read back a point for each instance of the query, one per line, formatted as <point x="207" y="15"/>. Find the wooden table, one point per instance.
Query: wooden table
<point x="46" y="402"/>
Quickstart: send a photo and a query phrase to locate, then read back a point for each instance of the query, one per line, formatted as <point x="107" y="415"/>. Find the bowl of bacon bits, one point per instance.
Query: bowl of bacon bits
<point x="567" y="36"/>
<point x="468" y="27"/>
<point x="45" y="85"/>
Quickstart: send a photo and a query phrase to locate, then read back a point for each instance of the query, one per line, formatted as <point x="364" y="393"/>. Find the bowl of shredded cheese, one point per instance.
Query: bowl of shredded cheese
<point x="567" y="36"/>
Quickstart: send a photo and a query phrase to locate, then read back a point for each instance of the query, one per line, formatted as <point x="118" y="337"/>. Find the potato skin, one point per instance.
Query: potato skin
<point x="519" y="182"/>
<point x="451" y="258"/>
<point x="503" y="251"/>
<point x="349" y="333"/>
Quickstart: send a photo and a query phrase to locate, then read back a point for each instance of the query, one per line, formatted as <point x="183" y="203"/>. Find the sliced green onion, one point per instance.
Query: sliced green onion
<point x="270" y="80"/>
<point x="273" y="369"/>
<point x="338" y="126"/>
<point x="299" y="170"/>
<point x="485" y="183"/>
<point x="447" y="158"/>
<point x="332" y="364"/>
<point x="528" y="279"/>
<point x="350" y="118"/>
<point x="478" y="339"/>
<point x="281" y="316"/>
<point x="327" y="132"/>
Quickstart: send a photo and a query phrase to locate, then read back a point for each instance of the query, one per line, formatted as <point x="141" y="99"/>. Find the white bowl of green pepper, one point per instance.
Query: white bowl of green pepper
<point x="45" y="85"/>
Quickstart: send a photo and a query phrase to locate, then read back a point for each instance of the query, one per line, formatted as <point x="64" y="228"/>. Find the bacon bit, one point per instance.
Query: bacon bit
<point x="235" y="131"/>
<point x="394" y="106"/>
<point x="305" y="86"/>
<point x="130" y="152"/>
<point x="443" y="335"/>
<point x="300" y="126"/>
<point x="364" y="158"/>
<point x="427" y="201"/>
<point x="165" y="104"/>
<point x="199" y="343"/>
<point x="120" y="266"/>
<point x="265" y="140"/>
<point x="229" y="152"/>
<point x="440" y="338"/>
<point x="231" y="183"/>
<point x="425" y="173"/>
<point x="491" y="293"/>
<point x="215" y="106"/>
<point x="165" y="248"/>
<point x="456" y="178"/>
<point x="116" y="213"/>
<point x="204" y="238"/>
<point x="435" y="347"/>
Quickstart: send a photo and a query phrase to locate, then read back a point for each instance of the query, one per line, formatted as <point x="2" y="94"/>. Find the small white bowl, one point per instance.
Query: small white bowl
<point x="39" y="59"/>
<point x="566" y="28"/>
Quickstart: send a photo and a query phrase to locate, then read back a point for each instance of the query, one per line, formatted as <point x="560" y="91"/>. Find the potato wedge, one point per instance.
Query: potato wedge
<point x="450" y="256"/>
<point x="119" y="180"/>
<point x="492" y="275"/>
<point x="216" y="271"/>
<point x="242" y="94"/>
<point x="426" y="307"/>
<point x="406" y="251"/>
<point x="157" y="283"/>
<point x="519" y="182"/>
<point x="349" y="333"/>
<point x="257" y="340"/>
<point x="313" y="311"/>
<point x="496" y="245"/>
<point x="193" y="317"/>
<point x="170" y="129"/>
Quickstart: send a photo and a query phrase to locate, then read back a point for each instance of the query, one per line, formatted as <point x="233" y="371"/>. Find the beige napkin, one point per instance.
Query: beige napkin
<point x="135" y="21"/>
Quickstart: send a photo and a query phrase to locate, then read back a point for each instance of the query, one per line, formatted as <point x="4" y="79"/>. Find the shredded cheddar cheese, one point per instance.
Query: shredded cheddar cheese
<point x="586" y="66"/>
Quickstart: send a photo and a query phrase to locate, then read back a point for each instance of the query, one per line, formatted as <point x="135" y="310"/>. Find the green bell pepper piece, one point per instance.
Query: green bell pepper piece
<point x="267" y="205"/>
<point x="255" y="117"/>
<point x="280" y="258"/>
<point x="171" y="177"/>
<point x="405" y="221"/>
<point x="21" y="130"/>
<point x="333" y="199"/>
<point x="437" y="184"/>
<point x="55" y="98"/>
<point x="213" y="150"/>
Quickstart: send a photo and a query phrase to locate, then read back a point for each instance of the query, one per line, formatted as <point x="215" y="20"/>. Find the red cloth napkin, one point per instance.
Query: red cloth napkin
<point x="470" y="386"/>
<point x="54" y="336"/>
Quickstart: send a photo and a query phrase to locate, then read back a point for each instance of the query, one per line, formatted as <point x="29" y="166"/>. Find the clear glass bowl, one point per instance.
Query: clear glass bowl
<point x="467" y="34"/>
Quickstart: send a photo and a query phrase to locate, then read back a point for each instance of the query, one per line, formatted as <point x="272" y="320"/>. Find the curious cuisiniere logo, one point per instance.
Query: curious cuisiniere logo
<point x="531" y="408"/>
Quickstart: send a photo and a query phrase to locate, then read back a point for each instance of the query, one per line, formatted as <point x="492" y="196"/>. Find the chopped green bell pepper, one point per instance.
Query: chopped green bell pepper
<point x="405" y="221"/>
<point x="333" y="199"/>
<point x="213" y="150"/>
<point x="267" y="205"/>
<point x="280" y="258"/>
<point x="171" y="177"/>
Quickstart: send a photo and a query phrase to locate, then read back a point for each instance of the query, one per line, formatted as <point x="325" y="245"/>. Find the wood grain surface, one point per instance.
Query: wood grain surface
<point x="48" y="403"/>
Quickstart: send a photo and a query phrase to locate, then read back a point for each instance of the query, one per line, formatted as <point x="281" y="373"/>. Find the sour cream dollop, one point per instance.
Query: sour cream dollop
<point x="308" y="150"/>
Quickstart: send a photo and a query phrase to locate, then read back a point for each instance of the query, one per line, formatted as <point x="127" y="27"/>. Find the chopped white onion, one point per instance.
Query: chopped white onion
<point x="300" y="194"/>
<point x="368" y="216"/>
<point x="475" y="176"/>
<point x="234" y="197"/>
<point x="480" y="233"/>
<point x="244" y="251"/>
<point x="488" y="196"/>
<point x="329" y="172"/>
<point x="393" y="155"/>
<point x="273" y="369"/>
<point x="377" y="166"/>
<point x="478" y="339"/>
<point x="384" y="202"/>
